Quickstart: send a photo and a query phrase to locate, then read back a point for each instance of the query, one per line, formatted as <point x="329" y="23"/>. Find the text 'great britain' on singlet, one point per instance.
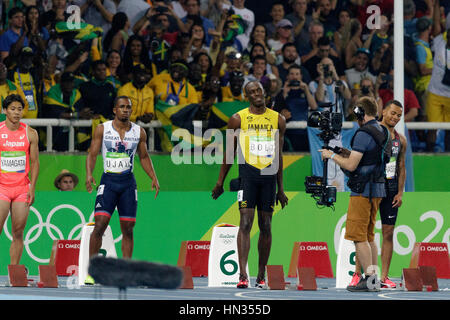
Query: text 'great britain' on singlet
<point x="118" y="155"/>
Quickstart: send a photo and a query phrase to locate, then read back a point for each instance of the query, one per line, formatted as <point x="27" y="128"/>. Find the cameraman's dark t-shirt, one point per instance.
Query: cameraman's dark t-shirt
<point x="364" y="142"/>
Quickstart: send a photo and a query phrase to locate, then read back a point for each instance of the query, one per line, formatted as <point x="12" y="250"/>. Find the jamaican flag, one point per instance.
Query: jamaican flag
<point x="54" y="106"/>
<point x="85" y="32"/>
<point x="181" y="117"/>
<point x="236" y="26"/>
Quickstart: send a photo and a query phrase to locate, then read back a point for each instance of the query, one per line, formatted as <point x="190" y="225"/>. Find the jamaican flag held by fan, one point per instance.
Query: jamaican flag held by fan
<point x="235" y="26"/>
<point x="83" y="33"/>
<point x="182" y="117"/>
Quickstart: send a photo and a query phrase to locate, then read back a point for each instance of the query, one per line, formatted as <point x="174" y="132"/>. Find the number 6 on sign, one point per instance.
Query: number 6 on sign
<point x="224" y="262"/>
<point x="223" y="267"/>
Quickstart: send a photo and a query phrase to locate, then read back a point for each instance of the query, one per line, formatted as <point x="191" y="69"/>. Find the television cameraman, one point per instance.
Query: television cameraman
<point x="365" y="168"/>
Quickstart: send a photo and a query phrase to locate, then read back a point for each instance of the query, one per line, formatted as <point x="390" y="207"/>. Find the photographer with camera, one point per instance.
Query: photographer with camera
<point x="365" y="166"/>
<point x="366" y="89"/>
<point x="328" y="85"/>
<point x="294" y="102"/>
<point x="160" y="14"/>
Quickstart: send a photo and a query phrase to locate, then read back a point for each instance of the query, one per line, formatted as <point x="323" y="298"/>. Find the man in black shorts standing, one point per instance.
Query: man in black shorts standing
<point x="258" y="132"/>
<point x="395" y="183"/>
<point x="118" y="140"/>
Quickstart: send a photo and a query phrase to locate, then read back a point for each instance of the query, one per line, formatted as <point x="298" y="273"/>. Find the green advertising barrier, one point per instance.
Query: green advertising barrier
<point x="163" y="223"/>
<point x="202" y="177"/>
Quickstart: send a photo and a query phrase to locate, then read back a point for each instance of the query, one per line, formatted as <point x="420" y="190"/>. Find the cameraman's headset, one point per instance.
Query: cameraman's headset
<point x="359" y="113"/>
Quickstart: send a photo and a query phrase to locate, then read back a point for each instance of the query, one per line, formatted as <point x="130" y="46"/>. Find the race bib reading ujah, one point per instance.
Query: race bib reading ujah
<point x="117" y="162"/>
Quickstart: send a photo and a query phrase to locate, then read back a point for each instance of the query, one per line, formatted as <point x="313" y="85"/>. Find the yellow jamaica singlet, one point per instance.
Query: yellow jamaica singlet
<point x="257" y="138"/>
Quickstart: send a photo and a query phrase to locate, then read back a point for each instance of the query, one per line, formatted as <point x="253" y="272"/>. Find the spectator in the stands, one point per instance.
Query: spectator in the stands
<point x="249" y="18"/>
<point x="26" y="77"/>
<point x="117" y="36"/>
<point x="351" y="41"/>
<point x="135" y="53"/>
<point x="259" y="35"/>
<point x="411" y="105"/>
<point x="66" y="181"/>
<point x="64" y="102"/>
<point x="97" y="12"/>
<point x="194" y="16"/>
<point x="424" y="58"/>
<point x="277" y="14"/>
<point x="300" y="20"/>
<point x="37" y="33"/>
<point x="173" y="87"/>
<point x="328" y="88"/>
<point x="328" y="17"/>
<point x="324" y="49"/>
<point x="294" y="101"/>
<point x="98" y="94"/>
<point x="133" y="9"/>
<point x="15" y="38"/>
<point x="283" y="35"/>
<point x="290" y="56"/>
<point x="359" y="70"/>
<point x="260" y="50"/>
<point x="197" y="42"/>
<point x="140" y="94"/>
<point x="7" y="87"/>
<point x="234" y="91"/>
<point x="308" y="49"/>
<point x="343" y="17"/>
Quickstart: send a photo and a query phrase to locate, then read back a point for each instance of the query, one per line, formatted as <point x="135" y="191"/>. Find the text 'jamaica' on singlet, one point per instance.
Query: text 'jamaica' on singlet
<point x="118" y="155"/>
<point x="257" y="140"/>
<point x="14" y="155"/>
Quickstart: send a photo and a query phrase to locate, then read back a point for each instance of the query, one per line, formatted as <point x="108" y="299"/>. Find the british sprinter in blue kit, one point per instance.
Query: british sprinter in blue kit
<point x="118" y="140"/>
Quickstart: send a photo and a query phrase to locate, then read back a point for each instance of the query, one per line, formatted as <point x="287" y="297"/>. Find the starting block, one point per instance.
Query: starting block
<point x="432" y="254"/>
<point x="311" y="254"/>
<point x="187" y="278"/>
<point x="195" y="254"/>
<point x="48" y="277"/>
<point x="429" y="279"/>
<point x="411" y="279"/>
<point x="275" y="277"/>
<point x="17" y="275"/>
<point x="64" y="254"/>
<point x="306" y="279"/>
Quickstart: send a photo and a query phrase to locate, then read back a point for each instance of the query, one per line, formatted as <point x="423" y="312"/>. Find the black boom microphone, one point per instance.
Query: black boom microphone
<point x="123" y="273"/>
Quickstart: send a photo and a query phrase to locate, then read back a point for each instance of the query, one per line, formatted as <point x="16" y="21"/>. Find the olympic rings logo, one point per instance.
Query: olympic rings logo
<point x="51" y="229"/>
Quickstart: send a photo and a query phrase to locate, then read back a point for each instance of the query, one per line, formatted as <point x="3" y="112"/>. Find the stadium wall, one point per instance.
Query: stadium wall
<point x="162" y="225"/>
<point x="428" y="173"/>
<point x="176" y="215"/>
